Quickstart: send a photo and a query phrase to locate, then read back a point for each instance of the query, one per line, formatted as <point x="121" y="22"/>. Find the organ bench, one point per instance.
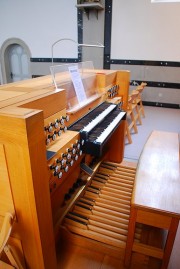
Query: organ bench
<point x="156" y="195"/>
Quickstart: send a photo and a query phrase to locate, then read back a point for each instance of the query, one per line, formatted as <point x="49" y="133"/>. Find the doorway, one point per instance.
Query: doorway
<point x="15" y="61"/>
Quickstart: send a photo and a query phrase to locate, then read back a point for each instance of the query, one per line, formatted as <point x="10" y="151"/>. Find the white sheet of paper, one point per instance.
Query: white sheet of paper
<point x="77" y="82"/>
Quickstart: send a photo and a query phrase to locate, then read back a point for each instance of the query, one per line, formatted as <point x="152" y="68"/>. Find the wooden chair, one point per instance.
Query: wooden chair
<point x="135" y="107"/>
<point x="139" y="90"/>
<point x="4" y="247"/>
<point x="130" y="120"/>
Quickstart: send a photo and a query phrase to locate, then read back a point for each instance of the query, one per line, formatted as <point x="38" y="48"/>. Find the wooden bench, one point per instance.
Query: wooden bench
<point x="156" y="195"/>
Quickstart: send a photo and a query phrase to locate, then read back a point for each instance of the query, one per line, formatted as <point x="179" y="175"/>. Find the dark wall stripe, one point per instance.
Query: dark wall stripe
<point x="107" y="33"/>
<point x="55" y="60"/>
<point x="157" y="104"/>
<point x="80" y="33"/>
<point x="157" y="84"/>
<point x="144" y="62"/>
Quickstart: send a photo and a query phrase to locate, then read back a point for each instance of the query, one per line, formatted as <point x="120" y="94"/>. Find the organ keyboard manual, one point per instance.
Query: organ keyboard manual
<point x="98" y="126"/>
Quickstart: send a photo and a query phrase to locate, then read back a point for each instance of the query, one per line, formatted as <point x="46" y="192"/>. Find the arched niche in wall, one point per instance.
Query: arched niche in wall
<point x="15" y="60"/>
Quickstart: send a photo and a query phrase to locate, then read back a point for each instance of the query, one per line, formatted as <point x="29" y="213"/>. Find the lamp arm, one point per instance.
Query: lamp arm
<point x="79" y="45"/>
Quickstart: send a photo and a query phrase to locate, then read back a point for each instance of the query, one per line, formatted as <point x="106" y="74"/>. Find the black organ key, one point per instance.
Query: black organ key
<point x="81" y="123"/>
<point x="78" y="215"/>
<point x="97" y="127"/>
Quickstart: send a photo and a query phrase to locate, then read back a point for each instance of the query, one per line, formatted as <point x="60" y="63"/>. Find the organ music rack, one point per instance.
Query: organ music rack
<point x="34" y="181"/>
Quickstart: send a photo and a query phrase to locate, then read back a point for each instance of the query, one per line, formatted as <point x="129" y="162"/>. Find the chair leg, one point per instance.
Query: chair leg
<point x="14" y="260"/>
<point x="142" y="108"/>
<point x="4" y="265"/>
<point x="128" y="134"/>
<point x="138" y="115"/>
<point x="134" y="122"/>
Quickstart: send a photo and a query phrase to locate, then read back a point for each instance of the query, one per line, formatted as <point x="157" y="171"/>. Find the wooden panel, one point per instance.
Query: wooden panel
<point x="50" y="104"/>
<point x="158" y="174"/>
<point x="4" y="95"/>
<point x="16" y="111"/>
<point x="22" y="98"/>
<point x="148" y="250"/>
<point x="81" y="112"/>
<point x="26" y="161"/>
<point x="105" y="79"/>
<point x="123" y="80"/>
<point x="55" y="116"/>
<point x="43" y="82"/>
<point x="65" y="140"/>
<point x="153" y="219"/>
<point x="5" y="188"/>
<point x="116" y="144"/>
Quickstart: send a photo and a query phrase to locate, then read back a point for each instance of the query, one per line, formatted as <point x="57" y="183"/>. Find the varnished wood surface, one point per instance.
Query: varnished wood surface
<point x="71" y="256"/>
<point x="157" y="183"/>
<point x="25" y="107"/>
<point x="105" y="211"/>
<point x="25" y="155"/>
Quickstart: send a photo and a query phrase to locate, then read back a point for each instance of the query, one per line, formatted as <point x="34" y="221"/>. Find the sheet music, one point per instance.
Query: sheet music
<point x="77" y="82"/>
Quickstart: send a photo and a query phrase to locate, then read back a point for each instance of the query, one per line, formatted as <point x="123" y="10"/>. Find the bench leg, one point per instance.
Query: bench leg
<point x="169" y="242"/>
<point x="130" y="238"/>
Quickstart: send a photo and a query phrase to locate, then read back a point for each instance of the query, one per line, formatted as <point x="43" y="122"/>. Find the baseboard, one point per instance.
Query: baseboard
<point x="158" y="104"/>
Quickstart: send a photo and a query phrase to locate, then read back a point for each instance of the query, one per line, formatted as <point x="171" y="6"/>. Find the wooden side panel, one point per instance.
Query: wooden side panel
<point x="6" y="203"/>
<point x="50" y="104"/>
<point x="81" y="112"/>
<point x="123" y="80"/>
<point x="44" y="82"/>
<point x="105" y="79"/>
<point x="23" y="139"/>
<point x="116" y="144"/>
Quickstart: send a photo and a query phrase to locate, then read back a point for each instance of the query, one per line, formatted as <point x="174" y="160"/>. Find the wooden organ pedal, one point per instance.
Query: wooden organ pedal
<point x="102" y="211"/>
<point x="42" y="175"/>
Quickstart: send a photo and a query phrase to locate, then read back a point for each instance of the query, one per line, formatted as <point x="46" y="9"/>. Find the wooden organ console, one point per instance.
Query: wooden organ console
<point x="61" y="162"/>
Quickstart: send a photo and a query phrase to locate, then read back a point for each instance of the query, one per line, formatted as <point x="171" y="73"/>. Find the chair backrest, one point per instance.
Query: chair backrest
<point x="139" y="89"/>
<point x="6" y="230"/>
<point x="134" y="95"/>
<point x="143" y="84"/>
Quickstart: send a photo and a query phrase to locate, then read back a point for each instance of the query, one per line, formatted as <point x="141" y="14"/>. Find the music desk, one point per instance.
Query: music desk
<point x="156" y="194"/>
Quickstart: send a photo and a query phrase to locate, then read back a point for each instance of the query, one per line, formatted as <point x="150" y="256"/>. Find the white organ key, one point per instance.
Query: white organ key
<point x="110" y="127"/>
<point x="100" y="117"/>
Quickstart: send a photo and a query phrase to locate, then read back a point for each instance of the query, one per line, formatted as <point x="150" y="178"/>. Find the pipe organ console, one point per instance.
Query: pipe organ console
<point x="60" y="164"/>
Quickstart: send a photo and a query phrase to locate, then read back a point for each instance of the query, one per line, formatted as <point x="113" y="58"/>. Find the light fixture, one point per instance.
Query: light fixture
<point x="98" y="45"/>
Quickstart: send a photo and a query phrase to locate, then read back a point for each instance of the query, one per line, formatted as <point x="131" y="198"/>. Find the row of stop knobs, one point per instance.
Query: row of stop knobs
<point x="79" y="182"/>
<point x="55" y="129"/>
<point x="113" y="91"/>
<point x="66" y="159"/>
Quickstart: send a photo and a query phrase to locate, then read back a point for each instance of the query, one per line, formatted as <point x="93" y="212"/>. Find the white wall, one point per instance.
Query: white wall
<point x="39" y="23"/>
<point x="145" y="31"/>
